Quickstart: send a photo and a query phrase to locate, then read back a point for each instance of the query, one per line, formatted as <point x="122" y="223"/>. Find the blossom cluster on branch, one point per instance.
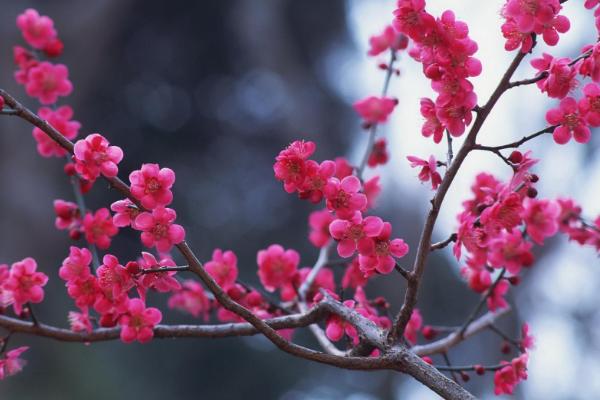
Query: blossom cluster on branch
<point x="498" y="226"/>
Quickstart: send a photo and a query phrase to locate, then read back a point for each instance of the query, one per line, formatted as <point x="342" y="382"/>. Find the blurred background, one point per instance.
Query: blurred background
<point x="214" y="90"/>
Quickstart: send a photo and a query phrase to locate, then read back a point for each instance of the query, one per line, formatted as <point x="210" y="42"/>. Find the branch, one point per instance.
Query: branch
<point x="518" y="143"/>
<point x="446" y="343"/>
<point x="165" y="269"/>
<point x="410" y="297"/>
<point x="440" y="245"/>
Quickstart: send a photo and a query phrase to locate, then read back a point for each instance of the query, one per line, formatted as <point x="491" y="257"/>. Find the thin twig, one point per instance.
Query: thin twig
<point x="165" y="269"/>
<point x="482" y="302"/>
<point x="450" y="154"/>
<point x="440" y="245"/>
<point x="449" y="366"/>
<point x="517" y="143"/>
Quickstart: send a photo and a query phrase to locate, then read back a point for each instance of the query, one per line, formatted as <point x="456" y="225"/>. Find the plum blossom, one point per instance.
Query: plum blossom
<point x="25" y="284"/>
<point x="47" y="81"/>
<point x="561" y="77"/>
<point x="428" y="170"/>
<point x="125" y="213"/>
<point x="381" y="259"/>
<point x="343" y="196"/>
<point x="159" y="230"/>
<point x="355" y="233"/>
<point x="152" y="185"/>
<point x="95" y="156"/>
<point x="12" y="363"/>
<point x="99" y="228"/>
<point x="277" y="266"/>
<point x="223" y="267"/>
<point x="541" y="218"/>
<point x="290" y="164"/>
<point x="38" y="30"/>
<point x="375" y="110"/>
<point x="162" y="282"/>
<point x="571" y="121"/>
<point x="319" y="221"/>
<point x="379" y="154"/>
<point x="191" y="298"/>
<point x="138" y="322"/>
<point x="388" y="39"/>
<point x="76" y="265"/>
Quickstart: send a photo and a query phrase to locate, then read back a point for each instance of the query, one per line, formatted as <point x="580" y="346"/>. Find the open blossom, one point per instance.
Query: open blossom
<point x="589" y="105"/>
<point x="381" y="259"/>
<point x="319" y="221"/>
<point x="290" y="164"/>
<point x="191" y="298"/>
<point x="99" y="228"/>
<point x="343" y="196"/>
<point x="379" y="154"/>
<point x="277" y="266"/>
<point x="506" y="378"/>
<point x="355" y="233"/>
<point x="60" y="119"/>
<point x="152" y="185"/>
<point x="478" y="277"/>
<point x="316" y="178"/>
<point x="372" y="190"/>
<point x="95" y="156"/>
<point x="47" y="81"/>
<point x="388" y="39"/>
<point x="561" y="79"/>
<point x="25" y="284"/>
<point x="527" y="340"/>
<point x="336" y="327"/>
<point x="114" y="277"/>
<point x="76" y="265"/>
<point x="571" y="121"/>
<point x="159" y="230"/>
<point x="496" y="300"/>
<point x="428" y="170"/>
<point x="511" y="251"/>
<point x="12" y="363"/>
<point x="223" y="267"/>
<point x="84" y="290"/>
<point x="541" y="218"/>
<point x="138" y="322"/>
<point x="38" y="30"/>
<point x="590" y="66"/>
<point x="125" y="213"/>
<point x="432" y="126"/>
<point x="375" y="110"/>
<point x="162" y="282"/>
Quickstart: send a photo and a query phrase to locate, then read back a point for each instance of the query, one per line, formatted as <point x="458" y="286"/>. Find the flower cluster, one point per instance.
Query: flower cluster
<point x="529" y="17"/>
<point x="444" y="48"/>
<point x="386" y="40"/>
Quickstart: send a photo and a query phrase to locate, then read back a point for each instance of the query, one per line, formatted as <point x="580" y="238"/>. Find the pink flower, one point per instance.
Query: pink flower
<point x="60" y="119"/>
<point x="506" y="378"/>
<point x="125" y="213"/>
<point x="159" y="230"/>
<point x="191" y="298"/>
<point x="95" y="156"/>
<point x="12" y="363"/>
<point x="47" y="81"/>
<point x="113" y="278"/>
<point x="80" y="322"/>
<point x="336" y="327"/>
<point x="372" y="190"/>
<point x="67" y="215"/>
<point x="355" y="233"/>
<point x="277" y="266"/>
<point x="413" y="327"/>
<point x="344" y="197"/>
<point x="589" y="106"/>
<point x="541" y="218"/>
<point x="138" y="323"/>
<point x="38" y="31"/>
<point x="428" y="170"/>
<point x="76" y="265"/>
<point x="515" y="38"/>
<point x="478" y="278"/>
<point x="528" y="13"/>
<point x="496" y="300"/>
<point x="152" y="185"/>
<point x="99" y="228"/>
<point x="84" y="290"/>
<point x="25" y="284"/>
<point x="319" y="227"/>
<point x="375" y="110"/>
<point x="316" y="178"/>
<point x="290" y="164"/>
<point x="527" y="340"/>
<point x="572" y="123"/>
<point x="590" y="66"/>
<point x="223" y="267"/>
<point x="561" y="77"/>
<point x="162" y="282"/>
<point x="379" y="154"/>
<point x="509" y="250"/>
<point x="381" y="258"/>
<point x="386" y="40"/>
